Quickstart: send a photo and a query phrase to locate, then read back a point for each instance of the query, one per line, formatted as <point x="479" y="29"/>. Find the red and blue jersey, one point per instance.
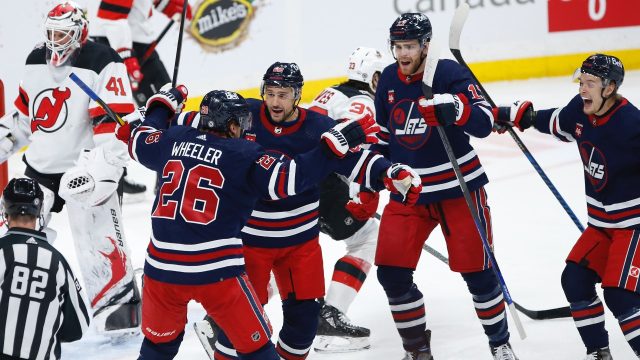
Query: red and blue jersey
<point x="294" y="220"/>
<point x="406" y="138"/>
<point x="208" y="187"/>
<point x="609" y="146"/>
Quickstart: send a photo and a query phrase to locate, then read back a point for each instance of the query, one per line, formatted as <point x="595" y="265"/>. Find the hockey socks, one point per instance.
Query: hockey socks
<point x="407" y="305"/>
<point x="625" y="306"/>
<point x="349" y="274"/>
<point x="299" y="328"/>
<point x="489" y="304"/>
<point x="160" y="351"/>
<point x="587" y="310"/>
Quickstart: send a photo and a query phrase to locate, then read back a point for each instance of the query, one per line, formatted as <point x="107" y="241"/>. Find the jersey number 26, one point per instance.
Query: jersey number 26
<point x="198" y="204"/>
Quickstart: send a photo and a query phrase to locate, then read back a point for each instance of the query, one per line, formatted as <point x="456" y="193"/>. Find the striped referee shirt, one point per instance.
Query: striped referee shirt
<point x="41" y="302"/>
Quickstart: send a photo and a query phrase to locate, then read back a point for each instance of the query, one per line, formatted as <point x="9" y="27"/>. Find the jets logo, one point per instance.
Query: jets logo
<point x="408" y="126"/>
<point x="595" y="165"/>
<point x="50" y="109"/>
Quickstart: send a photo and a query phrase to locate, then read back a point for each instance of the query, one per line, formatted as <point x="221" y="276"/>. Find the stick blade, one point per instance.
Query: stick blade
<point x="457" y="23"/>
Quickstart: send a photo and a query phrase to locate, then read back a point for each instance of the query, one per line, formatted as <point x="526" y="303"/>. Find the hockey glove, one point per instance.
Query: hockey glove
<point x="133" y="67"/>
<point x="402" y="179"/>
<point x="444" y="109"/>
<point x="133" y="120"/>
<point x="170" y="98"/>
<point x="349" y="134"/>
<point x="364" y="205"/>
<point x="520" y="114"/>
<point x="172" y="8"/>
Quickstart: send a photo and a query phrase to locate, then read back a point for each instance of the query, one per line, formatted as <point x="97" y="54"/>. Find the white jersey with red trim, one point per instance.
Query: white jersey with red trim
<point x="135" y="17"/>
<point x="62" y="118"/>
<point x="343" y="102"/>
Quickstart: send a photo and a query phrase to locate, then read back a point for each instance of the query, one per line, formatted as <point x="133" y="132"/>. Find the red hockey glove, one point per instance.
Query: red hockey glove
<point x="349" y="134"/>
<point x="444" y="109"/>
<point x="170" y="98"/>
<point x="404" y="180"/>
<point x="364" y="205"/>
<point x="132" y="121"/>
<point x="172" y="8"/>
<point x="520" y="114"/>
<point x="133" y="67"/>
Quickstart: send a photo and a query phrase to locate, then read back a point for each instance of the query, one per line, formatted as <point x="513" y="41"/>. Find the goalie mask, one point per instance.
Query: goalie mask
<point x="22" y="196"/>
<point x="364" y="62"/>
<point x="220" y="108"/>
<point x="66" y="29"/>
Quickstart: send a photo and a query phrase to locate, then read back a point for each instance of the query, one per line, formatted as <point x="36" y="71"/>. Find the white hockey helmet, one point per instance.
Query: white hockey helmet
<point x="363" y="63"/>
<point x="66" y="29"/>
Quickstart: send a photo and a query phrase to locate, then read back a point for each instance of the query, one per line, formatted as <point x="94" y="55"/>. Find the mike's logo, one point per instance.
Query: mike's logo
<point x="221" y="24"/>
<point x="50" y="109"/>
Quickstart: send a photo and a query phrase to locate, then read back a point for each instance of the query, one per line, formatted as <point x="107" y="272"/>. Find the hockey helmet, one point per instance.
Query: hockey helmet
<point x="364" y="62"/>
<point x="411" y="26"/>
<point x="219" y="108"/>
<point x="67" y="29"/>
<point x="283" y="75"/>
<point x="607" y="67"/>
<point x="22" y="196"/>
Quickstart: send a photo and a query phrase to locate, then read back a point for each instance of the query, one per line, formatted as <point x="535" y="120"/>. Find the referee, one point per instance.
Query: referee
<point x="41" y="304"/>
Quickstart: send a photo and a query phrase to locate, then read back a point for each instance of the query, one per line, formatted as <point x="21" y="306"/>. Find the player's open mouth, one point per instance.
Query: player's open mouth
<point x="587" y="102"/>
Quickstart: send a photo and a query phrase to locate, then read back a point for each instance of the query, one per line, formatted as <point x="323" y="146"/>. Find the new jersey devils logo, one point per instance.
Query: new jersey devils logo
<point x="50" y="109"/>
<point x="408" y="126"/>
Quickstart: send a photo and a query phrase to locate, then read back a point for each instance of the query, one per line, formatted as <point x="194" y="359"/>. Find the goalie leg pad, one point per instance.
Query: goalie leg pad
<point x="103" y="256"/>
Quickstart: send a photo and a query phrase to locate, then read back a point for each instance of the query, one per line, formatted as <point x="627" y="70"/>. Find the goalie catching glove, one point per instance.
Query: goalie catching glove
<point x="349" y="134"/>
<point x="402" y="179"/>
<point x="520" y="114"/>
<point x="95" y="177"/>
<point x="13" y="135"/>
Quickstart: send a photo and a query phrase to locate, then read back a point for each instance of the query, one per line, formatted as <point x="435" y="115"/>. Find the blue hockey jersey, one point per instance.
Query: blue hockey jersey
<point x="208" y="188"/>
<point x="609" y="146"/>
<point x="406" y="138"/>
<point x="294" y="220"/>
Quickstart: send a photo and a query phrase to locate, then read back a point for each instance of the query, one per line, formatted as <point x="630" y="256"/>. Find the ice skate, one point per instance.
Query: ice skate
<point x="600" y="354"/>
<point x="503" y="352"/>
<point x="207" y="331"/>
<point x="423" y="353"/>
<point x="336" y="333"/>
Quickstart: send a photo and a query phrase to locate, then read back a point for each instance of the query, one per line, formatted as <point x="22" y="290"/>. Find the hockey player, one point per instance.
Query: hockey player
<point x="344" y="219"/>
<point x="408" y="124"/>
<point x="45" y="304"/>
<point x="606" y="129"/>
<point x="223" y="176"/>
<point x="282" y="236"/>
<point x="125" y="25"/>
<point x="62" y="126"/>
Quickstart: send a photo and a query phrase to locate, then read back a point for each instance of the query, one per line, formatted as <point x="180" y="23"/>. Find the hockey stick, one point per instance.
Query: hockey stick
<point x="97" y="99"/>
<point x="427" y="90"/>
<point x="154" y="44"/>
<point x="457" y="24"/>
<point x="179" y="50"/>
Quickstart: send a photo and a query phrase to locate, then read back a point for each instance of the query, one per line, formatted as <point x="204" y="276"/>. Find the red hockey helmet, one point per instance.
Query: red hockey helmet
<point x="67" y="29"/>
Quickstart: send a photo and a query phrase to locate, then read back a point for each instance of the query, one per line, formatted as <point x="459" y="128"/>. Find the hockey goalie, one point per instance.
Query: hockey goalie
<point x="75" y="157"/>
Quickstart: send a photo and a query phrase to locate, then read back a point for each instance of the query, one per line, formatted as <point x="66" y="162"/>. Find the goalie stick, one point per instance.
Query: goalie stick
<point x="459" y="18"/>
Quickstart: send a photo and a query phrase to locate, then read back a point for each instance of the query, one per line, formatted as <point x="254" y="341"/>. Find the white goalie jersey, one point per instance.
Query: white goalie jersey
<point x="57" y="115"/>
<point x="343" y="102"/>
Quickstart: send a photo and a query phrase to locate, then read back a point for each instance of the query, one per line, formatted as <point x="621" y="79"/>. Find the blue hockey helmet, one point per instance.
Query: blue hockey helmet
<point x="411" y="26"/>
<point x="22" y="196"/>
<point x="221" y="108"/>
<point x="283" y="75"/>
<point x="607" y="67"/>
